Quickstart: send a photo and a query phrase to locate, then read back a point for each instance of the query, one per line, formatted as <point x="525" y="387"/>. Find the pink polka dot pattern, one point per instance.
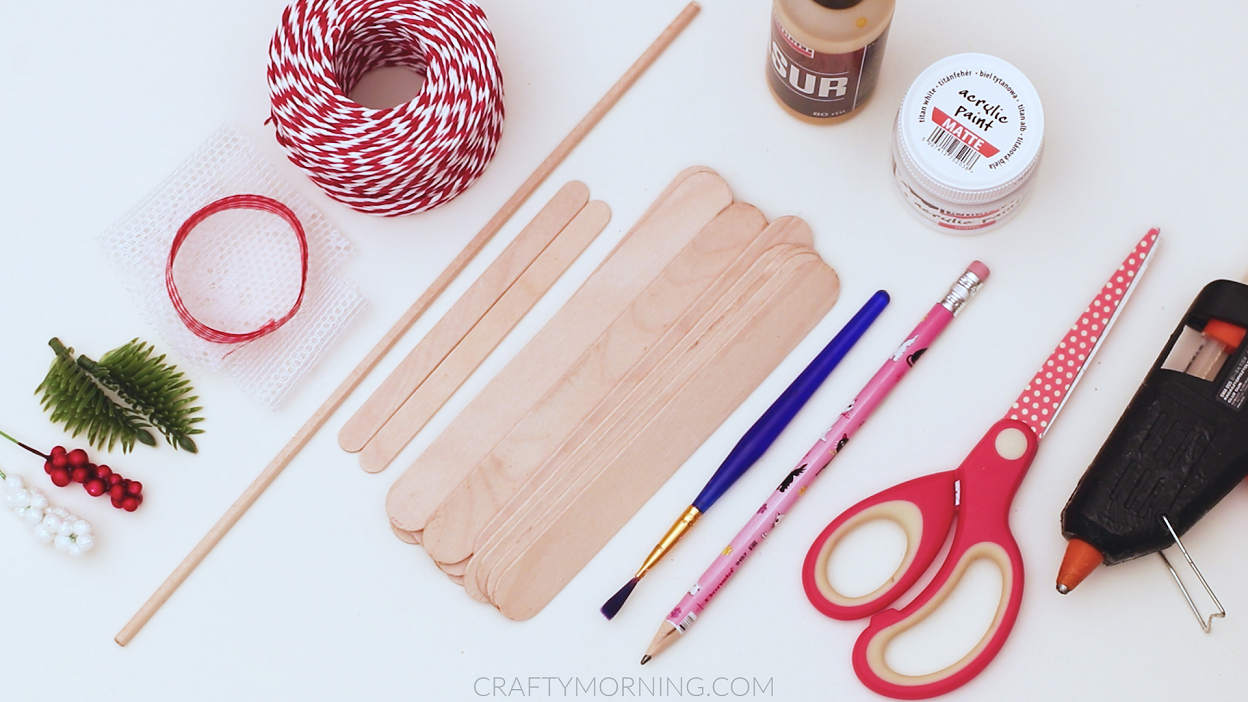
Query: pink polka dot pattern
<point x="1047" y="391"/>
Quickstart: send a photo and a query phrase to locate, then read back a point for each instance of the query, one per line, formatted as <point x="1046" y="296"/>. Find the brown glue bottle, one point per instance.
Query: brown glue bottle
<point x="825" y="55"/>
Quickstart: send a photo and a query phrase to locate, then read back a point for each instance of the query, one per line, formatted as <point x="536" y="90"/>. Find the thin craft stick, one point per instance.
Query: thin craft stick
<point x="318" y="419"/>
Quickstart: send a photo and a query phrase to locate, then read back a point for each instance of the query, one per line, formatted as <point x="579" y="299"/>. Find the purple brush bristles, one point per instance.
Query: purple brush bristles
<point x="613" y="605"/>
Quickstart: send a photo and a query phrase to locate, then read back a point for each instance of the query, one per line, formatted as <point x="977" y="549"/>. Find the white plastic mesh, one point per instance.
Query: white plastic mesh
<point x="237" y="269"/>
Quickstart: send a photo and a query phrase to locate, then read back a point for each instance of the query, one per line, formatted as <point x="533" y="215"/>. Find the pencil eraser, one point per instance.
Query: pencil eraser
<point x="979" y="269"/>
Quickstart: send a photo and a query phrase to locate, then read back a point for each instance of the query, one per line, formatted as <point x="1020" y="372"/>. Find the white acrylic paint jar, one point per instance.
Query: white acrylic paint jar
<point x="966" y="143"/>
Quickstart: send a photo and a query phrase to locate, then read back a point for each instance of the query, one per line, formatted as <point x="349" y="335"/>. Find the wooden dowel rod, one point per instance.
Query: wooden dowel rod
<point x="318" y="419"/>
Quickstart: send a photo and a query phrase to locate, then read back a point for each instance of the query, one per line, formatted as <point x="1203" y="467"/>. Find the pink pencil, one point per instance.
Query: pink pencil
<point x="816" y="459"/>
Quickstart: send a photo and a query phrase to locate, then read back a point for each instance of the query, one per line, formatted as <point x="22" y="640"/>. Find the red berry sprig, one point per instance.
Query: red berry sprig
<point x="75" y="466"/>
<point x="65" y="467"/>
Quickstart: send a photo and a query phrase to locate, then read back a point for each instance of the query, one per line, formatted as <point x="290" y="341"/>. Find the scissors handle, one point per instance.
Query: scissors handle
<point x="982" y="490"/>
<point x="923" y="507"/>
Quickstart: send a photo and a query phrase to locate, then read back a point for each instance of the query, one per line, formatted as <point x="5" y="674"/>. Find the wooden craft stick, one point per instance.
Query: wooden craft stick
<point x="636" y="261"/>
<point x="463" y="316"/>
<point x="452" y="271"/>
<point x="450" y="533"/>
<point x="762" y="248"/>
<point x="731" y="314"/>
<point x="568" y="541"/>
<point x="451" y="373"/>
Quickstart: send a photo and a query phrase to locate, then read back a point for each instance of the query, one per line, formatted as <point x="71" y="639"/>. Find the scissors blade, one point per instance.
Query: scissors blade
<point x="1048" y="391"/>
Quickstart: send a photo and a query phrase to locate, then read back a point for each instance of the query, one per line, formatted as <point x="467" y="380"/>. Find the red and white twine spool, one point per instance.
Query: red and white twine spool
<point x="401" y="160"/>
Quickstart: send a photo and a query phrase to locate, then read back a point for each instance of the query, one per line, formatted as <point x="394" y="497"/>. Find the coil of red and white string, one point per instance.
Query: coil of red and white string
<point x="401" y="160"/>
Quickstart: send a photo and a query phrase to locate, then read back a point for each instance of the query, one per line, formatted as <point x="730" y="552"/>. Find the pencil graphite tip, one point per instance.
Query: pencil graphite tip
<point x="613" y="605"/>
<point x="645" y="660"/>
<point x="1062" y="589"/>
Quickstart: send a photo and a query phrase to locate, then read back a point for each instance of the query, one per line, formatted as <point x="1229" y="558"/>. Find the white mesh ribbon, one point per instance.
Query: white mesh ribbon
<point x="237" y="269"/>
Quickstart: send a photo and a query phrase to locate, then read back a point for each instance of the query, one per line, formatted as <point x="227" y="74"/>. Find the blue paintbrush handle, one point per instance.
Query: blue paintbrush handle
<point x="759" y="438"/>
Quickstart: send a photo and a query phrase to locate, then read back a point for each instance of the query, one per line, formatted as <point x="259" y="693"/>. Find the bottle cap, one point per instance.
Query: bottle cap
<point x="970" y="129"/>
<point x="838" y="4"/>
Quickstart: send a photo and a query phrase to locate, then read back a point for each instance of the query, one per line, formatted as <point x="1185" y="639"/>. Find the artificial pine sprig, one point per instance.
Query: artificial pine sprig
<point x="82" y="405"/>
<point x="155" y="389"/>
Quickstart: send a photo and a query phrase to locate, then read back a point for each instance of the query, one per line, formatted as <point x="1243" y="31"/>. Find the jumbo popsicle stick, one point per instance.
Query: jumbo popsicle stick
<point x="591" y="434"/>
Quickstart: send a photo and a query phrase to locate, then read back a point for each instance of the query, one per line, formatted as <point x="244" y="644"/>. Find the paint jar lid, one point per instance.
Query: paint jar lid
<point x="970" y="129"/>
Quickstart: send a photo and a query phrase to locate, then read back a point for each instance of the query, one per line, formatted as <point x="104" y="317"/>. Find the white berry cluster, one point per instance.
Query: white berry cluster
<point x="49" y="524"/>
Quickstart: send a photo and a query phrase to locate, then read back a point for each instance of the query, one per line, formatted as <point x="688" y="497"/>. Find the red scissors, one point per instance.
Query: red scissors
<point x="979" y="491"/>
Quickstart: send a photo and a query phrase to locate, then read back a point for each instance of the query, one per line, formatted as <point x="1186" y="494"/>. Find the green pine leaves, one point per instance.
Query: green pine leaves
<point x="117" y="398"/>
<point x="76" y="401"/>
<point x="153" y="388"/>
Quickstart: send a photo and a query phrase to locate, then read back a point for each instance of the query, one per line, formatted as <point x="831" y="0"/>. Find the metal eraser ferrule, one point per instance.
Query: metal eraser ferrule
<point x="961" y="292"/>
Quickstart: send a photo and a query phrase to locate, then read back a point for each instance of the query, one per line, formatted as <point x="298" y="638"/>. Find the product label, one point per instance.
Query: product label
<point x="822" y="85"/>
<point x="1235" y="391"/>
<point x="975" y="121"/>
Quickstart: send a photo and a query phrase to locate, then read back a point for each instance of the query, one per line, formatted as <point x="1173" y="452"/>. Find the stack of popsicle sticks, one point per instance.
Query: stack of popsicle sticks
<point x="696" y="306"/>
<point x="590" y="432"/>
<point x="632" y="265"/>
<point x="449" y="534"/>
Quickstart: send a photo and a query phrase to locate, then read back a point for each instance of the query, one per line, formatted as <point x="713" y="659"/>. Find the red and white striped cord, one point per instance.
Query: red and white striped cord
<point x="405" y="159"/>
<point x="235" y="202"/>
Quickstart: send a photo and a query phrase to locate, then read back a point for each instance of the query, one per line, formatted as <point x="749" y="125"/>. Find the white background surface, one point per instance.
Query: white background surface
<point x="310" y="597"/>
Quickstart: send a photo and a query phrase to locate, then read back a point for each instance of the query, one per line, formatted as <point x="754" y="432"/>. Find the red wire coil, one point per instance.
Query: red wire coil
<point x="405" y="159"/>
<point x="235" y="202"/>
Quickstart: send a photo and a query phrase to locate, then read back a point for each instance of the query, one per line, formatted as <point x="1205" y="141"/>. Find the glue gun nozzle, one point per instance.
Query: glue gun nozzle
<point x="1080" y="560"/>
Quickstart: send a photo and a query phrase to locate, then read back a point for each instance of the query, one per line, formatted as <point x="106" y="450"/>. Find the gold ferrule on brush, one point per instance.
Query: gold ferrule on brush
<point x="669" y="539"/>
